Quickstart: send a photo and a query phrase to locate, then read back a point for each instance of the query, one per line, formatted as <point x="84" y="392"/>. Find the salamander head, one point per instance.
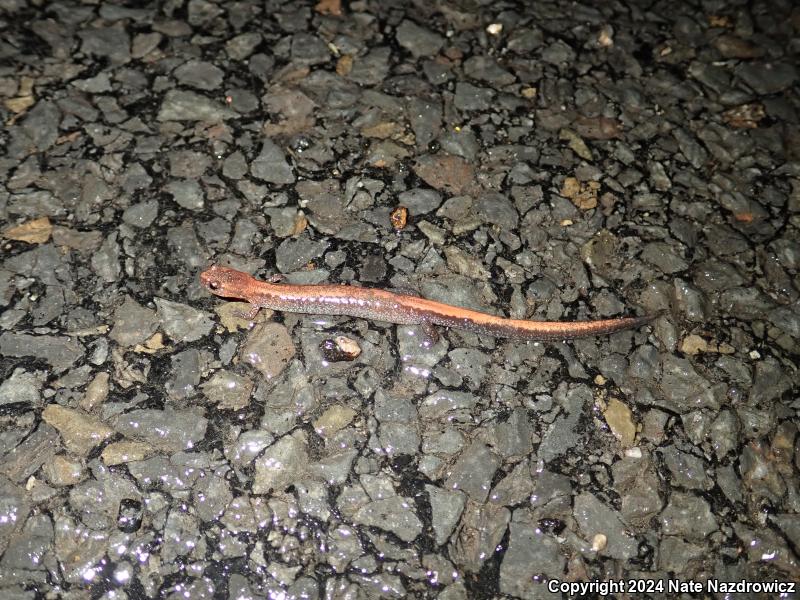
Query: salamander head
<point x="225" y="282"/>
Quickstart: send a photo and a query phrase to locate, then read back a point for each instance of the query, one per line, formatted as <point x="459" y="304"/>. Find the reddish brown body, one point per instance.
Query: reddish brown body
<point x="381" y="305"/>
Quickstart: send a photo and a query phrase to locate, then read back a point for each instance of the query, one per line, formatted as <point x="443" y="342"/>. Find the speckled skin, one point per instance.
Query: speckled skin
<point x="380" y="305"/>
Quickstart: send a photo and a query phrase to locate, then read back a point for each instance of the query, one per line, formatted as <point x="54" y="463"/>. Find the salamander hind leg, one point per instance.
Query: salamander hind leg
<point x="423" y="335"/>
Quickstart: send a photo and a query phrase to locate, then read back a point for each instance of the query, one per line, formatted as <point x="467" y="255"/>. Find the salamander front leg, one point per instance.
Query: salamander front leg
<point x="250" y="314"/>
<point x="430" y="335"/>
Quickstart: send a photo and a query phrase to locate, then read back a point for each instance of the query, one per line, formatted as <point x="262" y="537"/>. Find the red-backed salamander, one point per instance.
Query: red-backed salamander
<point x="381" y="305"/>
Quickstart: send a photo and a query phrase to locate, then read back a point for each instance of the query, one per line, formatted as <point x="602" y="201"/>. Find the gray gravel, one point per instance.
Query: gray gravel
<point x="555" y="161"/>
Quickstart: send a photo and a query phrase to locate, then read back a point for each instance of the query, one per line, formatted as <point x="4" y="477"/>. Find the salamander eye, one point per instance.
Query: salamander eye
<point x="213" y="285"/>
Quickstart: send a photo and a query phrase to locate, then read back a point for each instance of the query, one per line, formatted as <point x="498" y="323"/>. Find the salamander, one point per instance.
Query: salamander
<point x="391" y="307"/>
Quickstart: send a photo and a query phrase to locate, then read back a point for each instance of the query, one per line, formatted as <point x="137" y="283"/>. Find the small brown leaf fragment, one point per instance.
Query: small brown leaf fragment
<point x="344" y="65"/>
<point x="744" y="217"/>
<point x="582" y="195"/>
<point x="329" y="7"/>
<point x="26" y="84"/>
<point x="80" y="431"/>
<point x="152" y="345"/>
<point x="96" y="392"/>
<point x="20" y="104"/>
<point x="694" y="344"/>
<point x="576" y="144"/>
<point x="23" y="99"/>
<point x="37" y="231"/>
<point x="300" y="224"/>
<point x="399" y="217"/>
<point x="746" y="116"/>
<point x="117" y="453"/>
<point x="571" y="187"/>
<point x="620" y="420"/>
